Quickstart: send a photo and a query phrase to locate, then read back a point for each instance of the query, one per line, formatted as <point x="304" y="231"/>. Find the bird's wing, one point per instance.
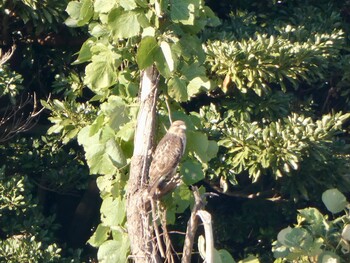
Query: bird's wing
<point x="167" y="156"/>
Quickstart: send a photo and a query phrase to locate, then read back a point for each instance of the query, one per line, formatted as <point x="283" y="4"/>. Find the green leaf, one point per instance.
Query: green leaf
<point x="213" y="20"/>
<point x="249" y="259"/>
<point x="217" y="258"/>
<point x="147" y="52"/>
<point x="212" y="149"/>
<point x="102" y="153"/>
<point x="295" y="238"/>
<point x="80" y="12"/>
<point x="191" y="172"/>
<point x="105" y="184"/>
<point x="128" y="4"/>
<point x="116" y="112"/>
<point x="334" y="200"/>
<point x="113" y="211"/>
<point x="126" y="132"/>
<point x="183" y="11"/>
<point x="191" y="71"/>
<point x="328" y="257"/>
<point x="167" y="55"/>
<point x="123" y="24"/>
<point x="84" y="52"/>
<point x="196" y="85"/>
<point x="101" y="73"/>
<point x="104" y="6"/>
<point x="192" y="49"/>
<point x="199" y="144"/>
<point x="162" y="65"/>
<point x="113" y="251"/>
<point x="177" y="89"/>
<point x="100" y="235"/>
<point x="225" y="256"/>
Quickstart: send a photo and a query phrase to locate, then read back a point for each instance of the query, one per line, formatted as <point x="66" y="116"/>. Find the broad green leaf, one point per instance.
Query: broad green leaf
<point x="192" y="49"/>
<point x="100" y="235"/>
<point x="104" y="6"/>
<point x="191" y="71"/>
<point x="116" y="112"/>
<point x="101" y="73"/>
<point x="225" y="256"/>
<point x="162" y="65"/>
<point x="146" y="52"/>
<point x="249" y="259"/>
<point x="105" y="184"/>
<point x="167" y="55"/>
<point x="148" y="32"/>
<point x="123" y="24"/>
<point x="183" y="11"/>
<point x="84" y="52"/>
<point x="313" y="217"/>
<point x="199" y="144"/>
<point x="177" y="89"/>
<point x="212" y="19"/>
<point x="128" y="4"/>
<point x="346" y="232"/>
<point x="295" y="238"/>
<point x="182" y="198"/>
<point x="191" y="172"/>
<point x="334" y="200"/>
<point x="127" y="131"/>
<point x="197" y="84"/>
<point x="328" y="257"/>
<point x="212" y="149"/>
<point x="73" y="9"/>
<point x="102" y="153"/>
<point x="113" y="251"/>
<point x="98" y="30"/>
<point x="217" y="258"/>
<point x="113" y="211"/>
<point x="80" y="13"/>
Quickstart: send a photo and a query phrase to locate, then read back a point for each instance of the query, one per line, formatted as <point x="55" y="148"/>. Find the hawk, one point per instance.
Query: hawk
<point x="166" y="158"/>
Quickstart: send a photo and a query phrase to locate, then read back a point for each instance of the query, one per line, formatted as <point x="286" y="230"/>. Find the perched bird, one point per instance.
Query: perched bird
<point x="166" y="158"/>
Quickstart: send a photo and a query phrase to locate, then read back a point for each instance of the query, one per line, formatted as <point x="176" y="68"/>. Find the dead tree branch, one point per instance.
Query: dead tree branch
<point x="192" y="226"/>
<point x="138" y="216"/>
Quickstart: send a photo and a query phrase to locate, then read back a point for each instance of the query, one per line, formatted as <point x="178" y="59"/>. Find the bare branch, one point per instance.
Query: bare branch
<point x="7" y="55"/>
<point x="16" y="119"/>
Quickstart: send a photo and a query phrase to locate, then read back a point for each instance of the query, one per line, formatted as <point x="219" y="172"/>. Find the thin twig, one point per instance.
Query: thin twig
<point x="168" y="106"/>
<point x="156" y="229"/>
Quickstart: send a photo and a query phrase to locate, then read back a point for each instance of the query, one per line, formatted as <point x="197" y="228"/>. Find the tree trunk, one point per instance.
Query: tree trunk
<point x="140" y="232"/>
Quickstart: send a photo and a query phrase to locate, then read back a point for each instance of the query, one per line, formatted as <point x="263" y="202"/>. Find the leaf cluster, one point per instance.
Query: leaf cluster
<point x="280" y="145"/>
<point x="316" y="237"/>
<point x="30" y="156"/>
<point x="259" y="62"/>
<point x="41" y="15"/>
<point x="26" y="234"/>
<point x="10" y="83"/>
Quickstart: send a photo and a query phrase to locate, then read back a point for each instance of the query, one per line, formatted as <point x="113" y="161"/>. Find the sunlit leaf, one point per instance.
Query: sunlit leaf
<point x="177" y="89"/>
<point x="100" y="235"/>
<point x="334" y="200"/>
<point x="146" y="52"/>
<point x="124" y="24"/>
